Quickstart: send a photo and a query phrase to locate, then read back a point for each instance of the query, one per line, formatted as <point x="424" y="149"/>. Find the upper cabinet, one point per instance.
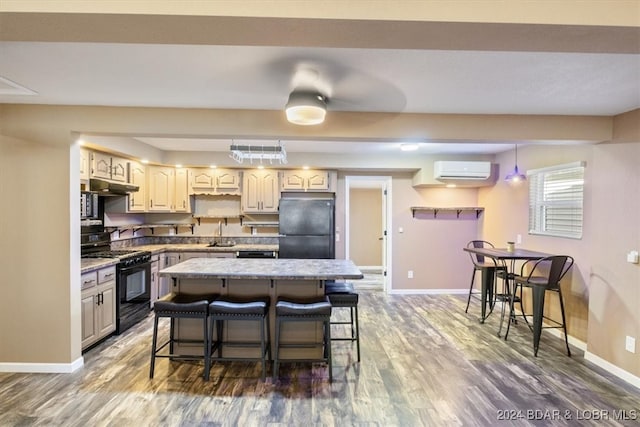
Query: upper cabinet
<point x="85" y="161"/>
<point x="181" y="191"/>
<point x="306" y="180"/>
<point x="260" y="191"/>
<point x="106" y="166"/>
<point x="168" y="189"/>
<point x="214" y="181"/>
<point x="138" y="176"/>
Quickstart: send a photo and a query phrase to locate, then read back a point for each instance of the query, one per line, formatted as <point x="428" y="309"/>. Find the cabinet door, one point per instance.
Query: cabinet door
<point x="155" y="280"/>
<point x="227" y="179"/>
<point x="293" y="181"/>
<point x="260" y="191"/>
<point x="88" y="317"/>
<point x="84" y="164"/>
<point x="100" y="165"/>
<point x="182" y="190"/>
<point x="251" y="183"/>
<point x="270" y="192"/>
<point x="318" y="181"/>
<point x="118" y="169"/>
<point x="161" y="190"/>
<point x="107" y="309"/>
<point x="165" y="283"/>
<point x="138" y="176"/>
<point x="203" y="181"/>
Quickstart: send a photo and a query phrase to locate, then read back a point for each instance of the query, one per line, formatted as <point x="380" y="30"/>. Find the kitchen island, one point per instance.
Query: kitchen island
<point x="295" y="278"/>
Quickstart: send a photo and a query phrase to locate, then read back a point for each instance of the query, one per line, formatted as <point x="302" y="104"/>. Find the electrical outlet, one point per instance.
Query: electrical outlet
<point x="630" y="344"/>
<point x="519" y="238"/>
<point x="410" y="274"/>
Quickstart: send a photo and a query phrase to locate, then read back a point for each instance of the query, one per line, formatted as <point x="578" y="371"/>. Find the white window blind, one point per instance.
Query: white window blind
<point x="555" y="200"/>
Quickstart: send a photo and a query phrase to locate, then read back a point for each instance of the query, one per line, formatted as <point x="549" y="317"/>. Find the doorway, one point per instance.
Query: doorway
<point x="367" y="225"/>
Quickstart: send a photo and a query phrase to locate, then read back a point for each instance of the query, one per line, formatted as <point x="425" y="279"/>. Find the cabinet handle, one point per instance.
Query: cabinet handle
<point x="86" y="282"/>
<point x="108" y="275"/>
<point x="151" y="202"/>
<point x="184" y="203"/>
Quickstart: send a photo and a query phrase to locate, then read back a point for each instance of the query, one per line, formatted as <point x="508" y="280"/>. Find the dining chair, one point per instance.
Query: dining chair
<point x="545" y="275"/>
<point x="481" y="264"/>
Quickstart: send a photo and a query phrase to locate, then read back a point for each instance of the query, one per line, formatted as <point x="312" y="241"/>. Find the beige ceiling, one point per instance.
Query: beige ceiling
<point x="392" y="63"/>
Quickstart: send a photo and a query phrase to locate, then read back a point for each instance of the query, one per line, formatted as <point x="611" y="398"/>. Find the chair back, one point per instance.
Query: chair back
<point x="557" y="267"/>
<point x="477" y="259"/>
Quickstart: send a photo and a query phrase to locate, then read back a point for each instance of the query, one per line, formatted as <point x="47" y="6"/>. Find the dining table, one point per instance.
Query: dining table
<point x="502" y="256"/>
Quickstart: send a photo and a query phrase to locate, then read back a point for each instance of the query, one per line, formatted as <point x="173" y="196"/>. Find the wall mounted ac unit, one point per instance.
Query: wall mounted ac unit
<point x="452" y="170"/>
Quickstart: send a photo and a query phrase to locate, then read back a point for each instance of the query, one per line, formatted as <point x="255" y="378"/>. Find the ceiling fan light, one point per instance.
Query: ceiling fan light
<point x="306" y="108"/>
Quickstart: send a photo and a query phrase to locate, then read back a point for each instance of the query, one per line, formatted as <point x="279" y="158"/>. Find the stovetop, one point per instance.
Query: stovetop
<point x="112" y="254"/>
<point x="128" y="258"/>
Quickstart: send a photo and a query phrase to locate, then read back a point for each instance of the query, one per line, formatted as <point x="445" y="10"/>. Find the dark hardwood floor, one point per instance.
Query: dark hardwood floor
<point x="424" y="363"/>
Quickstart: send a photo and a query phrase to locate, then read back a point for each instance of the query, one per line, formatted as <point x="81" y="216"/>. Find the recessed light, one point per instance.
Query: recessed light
<point x="451" y="186"/>
<point x="145" y="161"/>
<point x="178" y="165"/>
<point x="408" y="147"/>
<point x="261" y="167"/>
<point x="305" y="167"/>
<point x="213" y="166"/>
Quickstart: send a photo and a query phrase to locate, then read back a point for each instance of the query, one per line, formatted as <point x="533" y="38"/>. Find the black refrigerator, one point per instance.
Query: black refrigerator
<point x="307" y="228"/>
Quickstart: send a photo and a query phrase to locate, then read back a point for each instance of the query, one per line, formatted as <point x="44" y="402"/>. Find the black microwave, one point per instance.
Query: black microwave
<point x="88" y="205"/>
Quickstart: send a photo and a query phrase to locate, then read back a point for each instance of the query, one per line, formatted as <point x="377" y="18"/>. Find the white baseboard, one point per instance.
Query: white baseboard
<point x="615" y="370"/>
<point x="43" y="368"/>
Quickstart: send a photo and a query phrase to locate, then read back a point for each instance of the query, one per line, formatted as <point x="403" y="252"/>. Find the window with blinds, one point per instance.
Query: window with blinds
<point x="555" y="200"/>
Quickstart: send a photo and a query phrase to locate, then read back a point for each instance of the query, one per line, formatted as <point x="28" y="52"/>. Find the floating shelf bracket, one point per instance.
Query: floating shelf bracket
<point x="436" y="210"/>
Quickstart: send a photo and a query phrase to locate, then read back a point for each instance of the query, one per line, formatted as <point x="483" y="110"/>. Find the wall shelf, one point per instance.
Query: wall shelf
<point x="261" y="224"/>
<point x="136" y="227"/>
<point x="457" y="210"/>
<point x="218" y="217"/>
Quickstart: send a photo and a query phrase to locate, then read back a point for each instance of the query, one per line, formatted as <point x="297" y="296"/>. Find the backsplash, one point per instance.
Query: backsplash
<point x="192" y="240"/>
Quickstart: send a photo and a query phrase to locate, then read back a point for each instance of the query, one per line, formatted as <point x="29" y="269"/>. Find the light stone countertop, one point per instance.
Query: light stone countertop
<point x="89" y="264"/>
<point x="278" y="269"/>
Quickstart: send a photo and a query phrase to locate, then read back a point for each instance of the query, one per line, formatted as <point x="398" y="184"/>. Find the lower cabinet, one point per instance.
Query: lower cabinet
<point x="155" y="279"/>
<point x="164" y="284"/>
<point x="98" y="305"/>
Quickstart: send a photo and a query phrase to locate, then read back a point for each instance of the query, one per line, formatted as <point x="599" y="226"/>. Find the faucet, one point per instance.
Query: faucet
<point x="220" y="230"/>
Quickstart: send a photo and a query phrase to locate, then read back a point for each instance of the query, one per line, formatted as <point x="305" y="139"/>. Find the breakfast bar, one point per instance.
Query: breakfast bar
<point x="237" y="277"/>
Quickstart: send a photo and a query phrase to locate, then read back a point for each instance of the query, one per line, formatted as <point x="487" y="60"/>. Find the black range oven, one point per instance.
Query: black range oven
<point x="133" y="282"/>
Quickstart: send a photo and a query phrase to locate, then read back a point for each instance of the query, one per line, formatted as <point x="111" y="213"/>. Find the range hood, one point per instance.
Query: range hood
<point x="108" y="188"/>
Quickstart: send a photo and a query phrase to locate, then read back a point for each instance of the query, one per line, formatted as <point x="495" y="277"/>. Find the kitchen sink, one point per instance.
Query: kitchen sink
<point x="227" y="244"/>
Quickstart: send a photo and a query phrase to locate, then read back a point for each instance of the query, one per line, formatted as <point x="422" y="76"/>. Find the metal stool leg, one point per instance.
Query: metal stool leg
<point x="153" y="346"/>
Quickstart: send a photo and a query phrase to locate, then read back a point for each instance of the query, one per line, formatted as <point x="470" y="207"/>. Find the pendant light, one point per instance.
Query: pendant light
<point x="515" y="175"/>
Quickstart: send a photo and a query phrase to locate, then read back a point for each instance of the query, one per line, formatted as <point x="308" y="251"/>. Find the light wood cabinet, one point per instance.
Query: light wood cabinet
<point x="155" y="279"/>
<point x="306" y="180"/>
<point x="161" y="188"/>
<point x="98" y="305"/>
<point x="182" y="190"/>
<point x="85" y="161"/>
<point x="260" y="192"/>
<point x="214" y="181"/>
<point x="168" y="189"/>
<point x="138" y="176"/>
<point x="106" y="166"/>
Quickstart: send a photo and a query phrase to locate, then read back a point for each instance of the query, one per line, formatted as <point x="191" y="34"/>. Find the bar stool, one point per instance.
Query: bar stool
<point x="307" y="310"/>
<point x="342" y="295"/>
<point x="254" y="309"/>
<point x="182" y="306"/>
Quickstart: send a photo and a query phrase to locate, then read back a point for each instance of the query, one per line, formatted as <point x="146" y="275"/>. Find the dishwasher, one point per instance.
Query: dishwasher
<point x="256" y="254"/>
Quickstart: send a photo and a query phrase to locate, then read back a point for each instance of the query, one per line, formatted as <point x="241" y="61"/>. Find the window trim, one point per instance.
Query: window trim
<point x="534" y="205"/>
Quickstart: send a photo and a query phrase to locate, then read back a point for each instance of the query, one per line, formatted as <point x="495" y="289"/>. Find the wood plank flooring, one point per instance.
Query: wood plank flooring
<point x="424" y="363"/>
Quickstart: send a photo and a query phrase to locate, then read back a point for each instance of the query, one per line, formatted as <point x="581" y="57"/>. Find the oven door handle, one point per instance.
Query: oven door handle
<point x="135" y="267"/>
